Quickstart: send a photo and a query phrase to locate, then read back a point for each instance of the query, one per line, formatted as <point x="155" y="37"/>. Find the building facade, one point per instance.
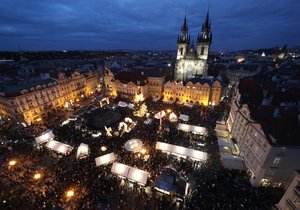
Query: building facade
<point x="270" y="158"/>
<point x="191" y="61"/>
<point x="128" y="84"/>
<point x="30" y="101"/>
<point x="202" y="91"/>
<point x="291" y="198"/>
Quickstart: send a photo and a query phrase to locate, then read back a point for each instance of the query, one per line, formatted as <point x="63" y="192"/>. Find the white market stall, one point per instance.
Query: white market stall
<point x="133" y="174"/>
<point x="192" y="128"/>
<point x="105" y="159"/>
<point x="82" y="151"/>
<point x="59" y="147"/>
<point x="122" y="104"/>
<point x="190" y="105"/>
<point x="182" y="151"/>
<point x="233" y="162"/>
<point x="160" y="114"/>
<point x="133" y="145"/>
<point x="130" y="106"/>
<point x="44" y="137"/>
<point x="184" y="117"/>
<point x="173" y="117"/>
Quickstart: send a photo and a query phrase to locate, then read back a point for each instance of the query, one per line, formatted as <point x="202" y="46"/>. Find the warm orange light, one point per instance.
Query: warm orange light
<point x="143" y="151"/>
<point x="37" y="176"/>
<point x="70" y="193"/>
<point x="12" y="162"/>
<point x="169" y="110"/>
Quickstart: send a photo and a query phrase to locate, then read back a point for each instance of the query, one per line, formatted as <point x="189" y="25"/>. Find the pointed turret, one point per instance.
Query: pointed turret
<point x="205" y="35"/>
<point x="184" y="36"/>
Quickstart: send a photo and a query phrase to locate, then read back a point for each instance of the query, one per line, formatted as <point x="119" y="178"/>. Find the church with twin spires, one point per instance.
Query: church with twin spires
<point x="192" y="60"/>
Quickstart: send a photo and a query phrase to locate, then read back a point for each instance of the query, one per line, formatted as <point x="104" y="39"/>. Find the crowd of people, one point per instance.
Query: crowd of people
<point x="211" y="186"/>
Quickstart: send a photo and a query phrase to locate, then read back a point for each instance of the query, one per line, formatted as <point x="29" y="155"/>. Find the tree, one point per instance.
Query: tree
<point x="140" y="109"/>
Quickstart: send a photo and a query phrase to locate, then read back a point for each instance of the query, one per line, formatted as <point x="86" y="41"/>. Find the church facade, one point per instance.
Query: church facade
<point x="192" y="60"/>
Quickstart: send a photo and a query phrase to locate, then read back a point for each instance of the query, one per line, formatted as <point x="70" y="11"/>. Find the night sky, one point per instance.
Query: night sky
<point x="145" y="24"/>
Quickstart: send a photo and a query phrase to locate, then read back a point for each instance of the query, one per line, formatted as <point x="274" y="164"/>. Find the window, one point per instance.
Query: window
<point x="202" y="50"/>
<point x="276" y="161"/>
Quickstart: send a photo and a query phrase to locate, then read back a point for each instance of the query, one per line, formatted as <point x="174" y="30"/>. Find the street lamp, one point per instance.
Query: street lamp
<point x="12" y="163"/>
<point x="37" y="176"/>
<point x="70" y="193"/>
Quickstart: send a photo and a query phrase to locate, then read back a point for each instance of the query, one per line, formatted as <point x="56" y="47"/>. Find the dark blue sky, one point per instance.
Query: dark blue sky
<point x="145" y="24"/>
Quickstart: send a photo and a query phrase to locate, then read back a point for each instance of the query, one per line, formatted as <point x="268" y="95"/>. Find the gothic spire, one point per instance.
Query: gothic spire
<point x="184" y="26"/>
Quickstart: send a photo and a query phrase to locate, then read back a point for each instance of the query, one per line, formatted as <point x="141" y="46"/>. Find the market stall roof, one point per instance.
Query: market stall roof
<point x="188" y="105"/>
<point x="133" y="174"/>
<point x="182" y="151"/>
<point x="160" y="114"/>
<point x="173" y="117"/>
<point x="105" y="159"/>
<point x="169" y="101"/>
<point x="184" y="117"/>
<point x="138" y="176"/>
<point x="122" y="104"/>
<point x="233" y="162"/>
<point x="82" y="150"/>
<point x="192" y="128"/>
<point x="59" y="147"/>
<point x="130" y="106"/>
<point x="133" y="145"/>
<point x="44" y="137"/>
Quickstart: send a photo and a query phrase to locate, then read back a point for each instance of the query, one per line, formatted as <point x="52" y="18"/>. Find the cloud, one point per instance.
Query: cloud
<point x="144" y="24"/>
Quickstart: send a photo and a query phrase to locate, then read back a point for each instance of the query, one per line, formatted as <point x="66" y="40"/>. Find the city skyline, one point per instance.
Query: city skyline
<point x="145" y="25"/>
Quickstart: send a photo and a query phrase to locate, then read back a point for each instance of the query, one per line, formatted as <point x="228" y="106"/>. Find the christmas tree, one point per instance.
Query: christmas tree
<point x="140" y="109"/>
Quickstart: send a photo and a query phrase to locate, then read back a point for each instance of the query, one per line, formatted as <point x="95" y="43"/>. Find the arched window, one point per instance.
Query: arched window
<point x="181" y="51"/>
<point x="202" y="50"/>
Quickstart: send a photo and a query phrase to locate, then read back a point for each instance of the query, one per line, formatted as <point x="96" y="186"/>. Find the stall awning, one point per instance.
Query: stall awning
<point x="82" y="150"/>
<point x="59" y="147"/>
<point x="182" y="151"/>
<point x="133" y="174"/>
<point x="44" y="137"/>
<point x="105" y="159"/>
<point x="192" y="128"/>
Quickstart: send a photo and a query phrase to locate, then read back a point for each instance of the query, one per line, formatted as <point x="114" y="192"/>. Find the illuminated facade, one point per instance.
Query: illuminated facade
<point x="201" y="91"/>
<point x="31" y="100"/>
<point x="270" y="160"/>
<point x="191" y="61"/>
<point x="128" y="84"/>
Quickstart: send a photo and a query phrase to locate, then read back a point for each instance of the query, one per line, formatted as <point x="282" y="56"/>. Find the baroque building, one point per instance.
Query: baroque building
<point x="30" y="101"/>
<point x="191" y="61"/>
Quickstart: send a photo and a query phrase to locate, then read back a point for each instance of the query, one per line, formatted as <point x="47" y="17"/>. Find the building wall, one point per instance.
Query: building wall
<point x="291" y="198"/>
<point x="156" y="86"/>
<point x="33" y="103"/>
<point x="201" y="93"/>
<point x="185" y="68"/>
<point x="267" y="162"/>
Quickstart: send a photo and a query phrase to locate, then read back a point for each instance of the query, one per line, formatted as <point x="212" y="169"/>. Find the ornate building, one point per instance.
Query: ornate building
<point x="30" y="101"/>
<point x="202" y="91"/>
<point x="128" y="84"/>
<point x="191" y="61"/>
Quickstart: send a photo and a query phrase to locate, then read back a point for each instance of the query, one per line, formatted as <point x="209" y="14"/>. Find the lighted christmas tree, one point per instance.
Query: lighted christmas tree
<point x="140" y="109"/>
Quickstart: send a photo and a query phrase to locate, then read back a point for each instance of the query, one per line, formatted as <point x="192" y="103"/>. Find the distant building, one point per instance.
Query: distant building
<point x="30" y="100"/>
<point x="204" y="91"/>
<point x="291" y="198"/>
<point x="127" y="84"/>
<point x="266" y="131"/>
<point x="191" y="61"/>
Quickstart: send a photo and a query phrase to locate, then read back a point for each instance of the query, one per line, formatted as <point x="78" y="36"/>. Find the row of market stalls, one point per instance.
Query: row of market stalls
<point x="131" y="173"/>
<point x="123" y="104"/>
<point x="228" y="150"/>
<point x="192" y="128"/>
<point x="182" y="151"/>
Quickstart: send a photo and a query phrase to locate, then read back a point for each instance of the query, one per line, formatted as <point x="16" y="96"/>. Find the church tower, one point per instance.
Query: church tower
<point x="204" y="39"/>
<point x="183" y="41"/>
<point x="192" y="63"/>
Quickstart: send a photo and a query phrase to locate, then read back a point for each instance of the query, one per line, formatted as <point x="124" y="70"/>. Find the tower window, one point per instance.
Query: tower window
<point x="181" y="51"/>
<point x="202" y="51"/>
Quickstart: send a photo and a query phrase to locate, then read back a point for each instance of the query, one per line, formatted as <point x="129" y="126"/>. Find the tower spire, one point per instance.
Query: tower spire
<point x="184" y="26"/>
